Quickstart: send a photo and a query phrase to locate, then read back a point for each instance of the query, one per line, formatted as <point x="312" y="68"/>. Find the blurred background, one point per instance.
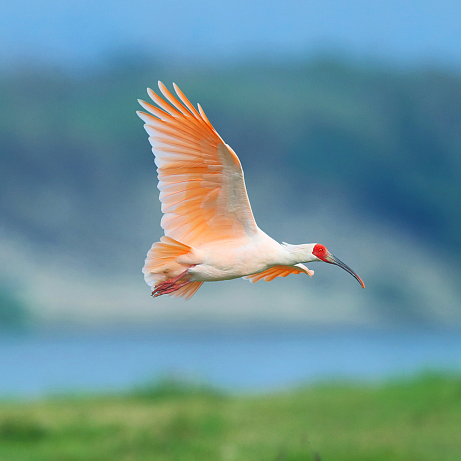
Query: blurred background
<point x="347" y="119"/>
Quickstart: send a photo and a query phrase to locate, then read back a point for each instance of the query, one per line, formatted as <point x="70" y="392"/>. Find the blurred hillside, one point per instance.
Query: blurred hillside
<point x="359" y="157"/>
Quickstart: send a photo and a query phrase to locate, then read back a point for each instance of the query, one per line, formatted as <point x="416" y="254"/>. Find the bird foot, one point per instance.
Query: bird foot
<point x="170" y="285"/>
<point x="166" y="288"/>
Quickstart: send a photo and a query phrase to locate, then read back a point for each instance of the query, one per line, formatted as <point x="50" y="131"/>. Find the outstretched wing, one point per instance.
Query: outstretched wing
<point x="279" y="271"/>
<point x="201" y="183"/>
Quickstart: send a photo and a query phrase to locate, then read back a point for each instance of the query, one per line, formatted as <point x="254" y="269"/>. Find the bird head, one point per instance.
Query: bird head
<point x="323" y="254"/>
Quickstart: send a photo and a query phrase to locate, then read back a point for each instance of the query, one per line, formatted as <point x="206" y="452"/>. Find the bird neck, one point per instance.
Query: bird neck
<point x="299" y="253"/>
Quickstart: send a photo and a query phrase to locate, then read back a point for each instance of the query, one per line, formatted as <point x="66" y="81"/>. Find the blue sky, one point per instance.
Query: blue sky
<point x="85" y="31"/>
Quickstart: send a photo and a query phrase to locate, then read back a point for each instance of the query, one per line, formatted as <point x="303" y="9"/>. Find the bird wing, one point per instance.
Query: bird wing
<point x="201" y="182"/>
<point x="279" y="271"/>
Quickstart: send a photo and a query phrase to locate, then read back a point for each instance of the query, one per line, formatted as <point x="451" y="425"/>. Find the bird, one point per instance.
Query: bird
<point x="210" y="231"/>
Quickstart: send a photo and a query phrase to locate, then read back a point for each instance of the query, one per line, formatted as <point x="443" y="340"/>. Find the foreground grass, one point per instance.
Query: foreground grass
<point x="414" y="420"/>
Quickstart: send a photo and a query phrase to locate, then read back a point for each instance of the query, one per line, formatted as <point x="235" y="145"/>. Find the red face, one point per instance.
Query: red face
<point x="320" y="251"/>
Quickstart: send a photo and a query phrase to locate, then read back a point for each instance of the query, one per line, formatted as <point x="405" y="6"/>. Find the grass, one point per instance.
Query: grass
<point x="407" y="420"/>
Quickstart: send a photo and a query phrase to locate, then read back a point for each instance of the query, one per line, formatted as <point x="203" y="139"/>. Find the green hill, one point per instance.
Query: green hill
<point x="71" y="147"/>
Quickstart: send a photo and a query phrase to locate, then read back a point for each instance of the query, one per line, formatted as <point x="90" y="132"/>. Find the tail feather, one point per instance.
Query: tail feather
<point x="161" y="264"/>
<point x="164" y="251"/>
<point x="187" y="291"/>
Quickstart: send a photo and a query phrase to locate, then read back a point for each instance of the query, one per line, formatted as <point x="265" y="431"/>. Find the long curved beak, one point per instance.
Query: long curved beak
<point x="333" y="260"/>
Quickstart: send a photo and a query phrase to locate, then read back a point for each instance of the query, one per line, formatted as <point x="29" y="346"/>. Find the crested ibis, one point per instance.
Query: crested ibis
<point x="210" y="231"/>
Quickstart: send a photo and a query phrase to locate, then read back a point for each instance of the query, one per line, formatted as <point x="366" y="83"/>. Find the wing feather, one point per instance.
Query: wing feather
<point x="279" y="271"/>
<point x="201" y="183"/>
<point x="187" y="103"/>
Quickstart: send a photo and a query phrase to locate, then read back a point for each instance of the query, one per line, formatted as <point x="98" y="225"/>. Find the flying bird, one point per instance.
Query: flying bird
<point x="210" y="231"/>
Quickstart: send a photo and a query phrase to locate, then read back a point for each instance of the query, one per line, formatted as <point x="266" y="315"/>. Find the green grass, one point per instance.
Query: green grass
<point x="411" y="420"/>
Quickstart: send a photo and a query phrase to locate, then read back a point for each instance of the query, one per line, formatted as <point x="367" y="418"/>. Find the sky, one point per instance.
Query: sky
<point x="84" y="32"/>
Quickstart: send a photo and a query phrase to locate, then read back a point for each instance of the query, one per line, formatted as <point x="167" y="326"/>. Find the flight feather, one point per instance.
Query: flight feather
<point x="201" y="183"/>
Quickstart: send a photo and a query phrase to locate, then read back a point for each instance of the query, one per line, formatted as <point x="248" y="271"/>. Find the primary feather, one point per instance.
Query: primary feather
<point x="201" y="183"/>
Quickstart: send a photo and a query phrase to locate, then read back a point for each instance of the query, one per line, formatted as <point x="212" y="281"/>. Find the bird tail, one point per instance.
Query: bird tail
<point x="161" y="265"/>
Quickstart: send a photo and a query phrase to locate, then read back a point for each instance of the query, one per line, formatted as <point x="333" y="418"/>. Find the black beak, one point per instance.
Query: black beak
<point x="333" y="260"/>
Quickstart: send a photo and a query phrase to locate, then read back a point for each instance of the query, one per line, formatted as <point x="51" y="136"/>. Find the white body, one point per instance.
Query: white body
<point x="234" y="259"/>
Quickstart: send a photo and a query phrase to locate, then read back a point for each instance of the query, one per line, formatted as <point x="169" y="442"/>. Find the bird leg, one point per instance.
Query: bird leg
<point x="165" y="290"/>
<point x="170" y="285"/>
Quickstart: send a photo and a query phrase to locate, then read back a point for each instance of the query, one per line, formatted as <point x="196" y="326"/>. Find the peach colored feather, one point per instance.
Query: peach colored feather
<point x="278" y="271"/>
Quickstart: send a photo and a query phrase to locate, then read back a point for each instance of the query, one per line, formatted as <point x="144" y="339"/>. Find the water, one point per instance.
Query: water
<point x="35" y="365"/>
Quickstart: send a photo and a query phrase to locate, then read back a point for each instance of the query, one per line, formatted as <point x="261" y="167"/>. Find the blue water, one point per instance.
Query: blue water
<point x="34" y="365"/>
